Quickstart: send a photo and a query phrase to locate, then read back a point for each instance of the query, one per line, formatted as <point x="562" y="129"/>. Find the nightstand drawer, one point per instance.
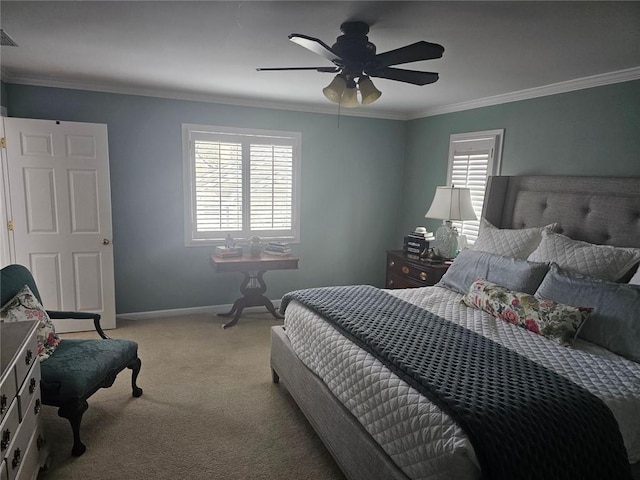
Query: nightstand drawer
<point x="399" y="281"/>
<point x="405" y="272"/>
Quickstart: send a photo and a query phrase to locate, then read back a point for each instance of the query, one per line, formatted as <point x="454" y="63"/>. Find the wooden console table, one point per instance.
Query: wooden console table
<point x="253" y="286"/>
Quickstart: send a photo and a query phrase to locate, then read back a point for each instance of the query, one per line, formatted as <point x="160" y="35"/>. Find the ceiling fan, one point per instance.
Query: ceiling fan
<point x="354" y="57"/>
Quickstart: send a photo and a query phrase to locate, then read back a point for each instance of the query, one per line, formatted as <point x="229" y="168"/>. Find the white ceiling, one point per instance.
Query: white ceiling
<point x="209" y="50"/>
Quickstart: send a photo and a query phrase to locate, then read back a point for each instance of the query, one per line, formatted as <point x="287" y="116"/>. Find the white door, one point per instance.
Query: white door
<point x="60" y="207"/>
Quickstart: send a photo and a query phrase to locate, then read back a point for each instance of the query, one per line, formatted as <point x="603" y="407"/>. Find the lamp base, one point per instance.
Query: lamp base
<point x="446" y="240"/>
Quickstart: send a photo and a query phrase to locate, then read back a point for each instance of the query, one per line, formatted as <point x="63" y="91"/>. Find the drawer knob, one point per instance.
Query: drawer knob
<point x="3" y="403"/>
<point x="390" y="283"/>
<point x="28" y="357"/>
<point x="17" y="457"/>
<point x="392" y="263"/>
<point x="405" y="269"/>
<point x="6" y="439"/>
<point x="40" y="442"/>
<point x="37" y="407"/>
<point x="423" y="276"/>
<point x="32" y="386"/>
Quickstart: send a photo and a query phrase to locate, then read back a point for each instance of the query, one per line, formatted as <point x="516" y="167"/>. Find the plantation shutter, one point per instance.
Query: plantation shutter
<point x="241" y="183"/>
<point x="471" y="161"/>
<point x="271" y="182"/>
<point x="218" y="186"/>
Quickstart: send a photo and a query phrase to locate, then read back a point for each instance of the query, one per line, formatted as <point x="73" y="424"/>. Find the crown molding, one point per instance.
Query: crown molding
<point x="619" y="76"/>
<point x="38" y="81"/>
<point x="553" y="89"/>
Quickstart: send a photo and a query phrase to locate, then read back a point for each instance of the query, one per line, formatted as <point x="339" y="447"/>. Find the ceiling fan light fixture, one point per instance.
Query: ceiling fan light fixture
<point x="368" y="91"/>
<point x="350" y="95"/>
<point x="353" y="55"/>
<point x="335" y="89"/>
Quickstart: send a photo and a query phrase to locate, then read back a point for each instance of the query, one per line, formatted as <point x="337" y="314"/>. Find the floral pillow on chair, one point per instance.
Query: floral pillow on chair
<point x="25" y="306"/>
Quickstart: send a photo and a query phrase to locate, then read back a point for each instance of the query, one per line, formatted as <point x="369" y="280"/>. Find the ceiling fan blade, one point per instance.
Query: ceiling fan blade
<point x="317" y="69"/>
<point x="316" y="46"/>
<point x="411" y="53"/>
<point x="407" y="76"/>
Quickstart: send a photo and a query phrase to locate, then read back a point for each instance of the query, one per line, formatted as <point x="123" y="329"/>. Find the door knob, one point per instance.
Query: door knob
<point x="105" y="241"/>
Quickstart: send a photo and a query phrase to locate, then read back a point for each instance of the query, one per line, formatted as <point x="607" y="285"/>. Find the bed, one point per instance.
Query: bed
<point x="387" y="429"/>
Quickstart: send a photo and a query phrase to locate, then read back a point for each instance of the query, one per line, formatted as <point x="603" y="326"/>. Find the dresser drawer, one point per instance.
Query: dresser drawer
<point x="27" y="356"/>
<point x="9" y="428"/>
<point x="21" y="449"/>
<point x="33" y="458"/>
<point x="30" y="390"/>
<point x="8" y="390"/>
<point x="30" y="441"/>
<point x="3" y="471"/>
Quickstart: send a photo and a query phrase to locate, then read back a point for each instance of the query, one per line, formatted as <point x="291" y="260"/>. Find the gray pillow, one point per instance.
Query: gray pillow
<point x="614" y="322"/>
<point x="469" y="265"/>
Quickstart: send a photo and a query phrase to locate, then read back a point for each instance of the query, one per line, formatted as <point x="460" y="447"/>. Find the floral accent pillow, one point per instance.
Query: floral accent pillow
<point x="555" y="321"/>
<point x="25" y="306"/>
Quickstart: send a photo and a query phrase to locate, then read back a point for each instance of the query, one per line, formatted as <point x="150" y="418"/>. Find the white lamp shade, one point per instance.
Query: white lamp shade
<point x="451" y="203"/>
<point x="368" y="91"/>
<point x="349" y="98"/>
<point x="334" y="90"/>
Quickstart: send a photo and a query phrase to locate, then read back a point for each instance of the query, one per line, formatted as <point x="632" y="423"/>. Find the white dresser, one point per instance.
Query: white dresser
<point x="22" y="442"/>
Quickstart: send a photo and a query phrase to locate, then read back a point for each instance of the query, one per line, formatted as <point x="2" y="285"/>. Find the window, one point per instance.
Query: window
<point x="472" y="158"/>
<point x="240" y="182"/>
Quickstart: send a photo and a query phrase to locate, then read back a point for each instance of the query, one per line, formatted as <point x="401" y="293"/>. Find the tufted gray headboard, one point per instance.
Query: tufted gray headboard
<point x="602" y="210"/>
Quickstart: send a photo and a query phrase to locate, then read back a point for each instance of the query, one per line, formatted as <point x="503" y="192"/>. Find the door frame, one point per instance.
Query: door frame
<point x="7" y="255"/>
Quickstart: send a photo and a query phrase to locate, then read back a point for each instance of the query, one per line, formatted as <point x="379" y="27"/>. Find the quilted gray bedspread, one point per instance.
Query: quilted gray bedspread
<point x="524" y="420"/>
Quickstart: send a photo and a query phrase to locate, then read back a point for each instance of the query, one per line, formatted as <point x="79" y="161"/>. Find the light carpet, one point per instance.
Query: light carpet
<point x="209" y="411"/>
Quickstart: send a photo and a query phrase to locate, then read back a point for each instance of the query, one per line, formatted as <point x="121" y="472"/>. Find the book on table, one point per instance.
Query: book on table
<point x="274" y="252"/>
<point x="274" y="248"/>
<point x="277" y="248"/>
<point x="226" y="252"/>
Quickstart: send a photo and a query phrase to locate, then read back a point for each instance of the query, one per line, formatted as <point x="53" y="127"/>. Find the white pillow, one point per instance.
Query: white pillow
<point x="602" y="261"/>
<point x="518" y="243"/>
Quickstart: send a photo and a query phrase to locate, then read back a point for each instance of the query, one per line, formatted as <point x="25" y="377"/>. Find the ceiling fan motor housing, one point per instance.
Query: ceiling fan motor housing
<point x="354" y="48"/>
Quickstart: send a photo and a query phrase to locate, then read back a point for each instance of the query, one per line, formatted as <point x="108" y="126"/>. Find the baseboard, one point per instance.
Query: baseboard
<point x="208" y="309"/>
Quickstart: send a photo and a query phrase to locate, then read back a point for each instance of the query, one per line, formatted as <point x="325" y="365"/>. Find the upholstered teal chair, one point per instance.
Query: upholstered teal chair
<point x="77" y="368"/>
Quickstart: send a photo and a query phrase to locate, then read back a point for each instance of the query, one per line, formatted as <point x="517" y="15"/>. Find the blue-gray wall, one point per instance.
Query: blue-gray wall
<point x="365" y="182"/>
<point x="595" y="131"/>
<point x="3" y="94"/>
<point x="350" y="192"/>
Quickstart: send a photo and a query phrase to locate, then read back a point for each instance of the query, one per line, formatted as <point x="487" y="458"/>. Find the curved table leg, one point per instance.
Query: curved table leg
<point x="252" y="289"/>
<point x="237" y="308"/>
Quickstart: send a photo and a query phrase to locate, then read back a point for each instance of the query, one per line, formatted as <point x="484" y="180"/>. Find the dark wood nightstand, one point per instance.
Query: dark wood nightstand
<point x="408" y="272"/>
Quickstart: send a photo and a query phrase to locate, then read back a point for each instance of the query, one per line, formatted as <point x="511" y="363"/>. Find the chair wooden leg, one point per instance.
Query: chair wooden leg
<point x="73" y="412"/>
<point x="135" y="370"/>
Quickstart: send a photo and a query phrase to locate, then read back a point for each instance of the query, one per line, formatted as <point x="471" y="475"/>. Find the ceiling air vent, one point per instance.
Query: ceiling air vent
<point x="6" y="40"/>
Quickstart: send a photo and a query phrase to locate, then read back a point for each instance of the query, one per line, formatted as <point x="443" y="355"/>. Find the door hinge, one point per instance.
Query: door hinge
<point x="10" y="225"/>
<point x="3" y="142"/>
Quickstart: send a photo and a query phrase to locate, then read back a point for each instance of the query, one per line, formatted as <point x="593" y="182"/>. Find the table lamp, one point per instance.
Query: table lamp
<point x="450" y="203"/>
